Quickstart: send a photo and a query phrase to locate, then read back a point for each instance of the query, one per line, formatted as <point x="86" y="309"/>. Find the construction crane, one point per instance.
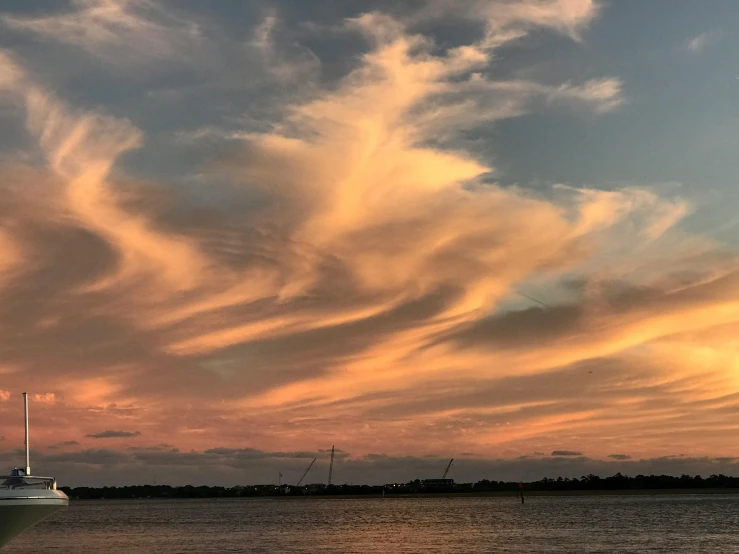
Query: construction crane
<point x="331" y="466"/>
<point x="447" y="468"/>
<point x="306" y="472"/>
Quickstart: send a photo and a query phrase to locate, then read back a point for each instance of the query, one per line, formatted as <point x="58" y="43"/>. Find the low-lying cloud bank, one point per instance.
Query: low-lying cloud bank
<point x="228" y="467"/>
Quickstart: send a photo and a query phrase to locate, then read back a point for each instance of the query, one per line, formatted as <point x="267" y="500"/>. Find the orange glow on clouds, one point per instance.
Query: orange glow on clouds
<point x="364" y="302"/>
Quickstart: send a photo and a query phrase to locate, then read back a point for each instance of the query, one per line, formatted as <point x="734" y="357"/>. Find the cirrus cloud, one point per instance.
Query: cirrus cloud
<point x="357" y="272"/>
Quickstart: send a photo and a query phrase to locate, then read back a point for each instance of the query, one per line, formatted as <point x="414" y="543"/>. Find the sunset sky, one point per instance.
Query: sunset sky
<point x="233" y="234"/>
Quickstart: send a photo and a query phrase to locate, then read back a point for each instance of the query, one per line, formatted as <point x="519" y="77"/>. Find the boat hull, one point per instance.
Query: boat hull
<point x="18" y="513"/>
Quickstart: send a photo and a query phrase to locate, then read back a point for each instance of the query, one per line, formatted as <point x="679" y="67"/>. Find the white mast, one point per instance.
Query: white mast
<point x="28" y="461"/>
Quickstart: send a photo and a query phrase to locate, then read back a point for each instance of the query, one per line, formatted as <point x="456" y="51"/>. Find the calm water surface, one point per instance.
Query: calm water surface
<point x="586" y="524"/>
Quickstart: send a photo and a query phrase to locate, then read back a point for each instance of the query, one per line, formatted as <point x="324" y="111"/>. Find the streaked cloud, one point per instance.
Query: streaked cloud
<point x="702" y="41"/>
<point x="508" y="20"/>
<point x="288" y="65"/>
<point x="114" y="434"/>
<point x="121" y="32"/>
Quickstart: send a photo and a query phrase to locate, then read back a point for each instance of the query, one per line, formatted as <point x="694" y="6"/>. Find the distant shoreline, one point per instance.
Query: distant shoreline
<point x="590" y="485"/>
<point x="493" y="494"/>
<point x="623" y="492"/>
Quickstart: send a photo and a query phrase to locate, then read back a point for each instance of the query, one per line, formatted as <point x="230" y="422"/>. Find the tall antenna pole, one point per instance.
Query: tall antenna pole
<point x="331" y="466"/>
<point x="28" y="457"/>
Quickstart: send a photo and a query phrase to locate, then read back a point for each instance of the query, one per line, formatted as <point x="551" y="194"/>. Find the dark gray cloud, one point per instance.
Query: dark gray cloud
<point x="103" y="457"/>
<point x="566" y="453"/>
<point x="228" y="467"/>
<point x="620" y="456"/>
<point x="113" y="434"/>
<point x="155" y="448"/>
<point x="255" y="454"/>
<point x="62" y="444"/>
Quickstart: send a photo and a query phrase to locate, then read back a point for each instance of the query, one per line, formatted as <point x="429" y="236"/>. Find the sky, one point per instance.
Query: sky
<point x="235" y="234"/>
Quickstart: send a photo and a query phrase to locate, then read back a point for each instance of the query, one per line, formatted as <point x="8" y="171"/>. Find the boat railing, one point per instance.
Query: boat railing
<point x="27" y="481"/>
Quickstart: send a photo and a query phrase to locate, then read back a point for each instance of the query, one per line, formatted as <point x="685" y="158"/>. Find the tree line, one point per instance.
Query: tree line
<point x="585" y="483"/>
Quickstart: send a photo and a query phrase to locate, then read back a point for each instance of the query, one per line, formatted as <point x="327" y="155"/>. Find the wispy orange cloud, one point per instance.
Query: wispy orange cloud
<point x="45" y="398"/>
<point x="371" y="295"/>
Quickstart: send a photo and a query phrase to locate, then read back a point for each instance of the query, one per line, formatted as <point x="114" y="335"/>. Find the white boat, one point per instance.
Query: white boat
<point x="26" y="499"/>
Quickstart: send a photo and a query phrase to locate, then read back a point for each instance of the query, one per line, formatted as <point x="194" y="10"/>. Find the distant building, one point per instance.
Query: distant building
<point x="315" y="487"/>
<point x="264" y="487"/>
<point x="437" y="483"/>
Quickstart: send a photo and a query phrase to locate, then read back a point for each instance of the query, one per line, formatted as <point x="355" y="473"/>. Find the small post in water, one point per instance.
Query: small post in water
<point x="28" y="457"/>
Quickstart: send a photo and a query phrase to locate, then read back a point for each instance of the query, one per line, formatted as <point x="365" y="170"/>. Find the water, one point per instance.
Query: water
<point x="584" y="524"/>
